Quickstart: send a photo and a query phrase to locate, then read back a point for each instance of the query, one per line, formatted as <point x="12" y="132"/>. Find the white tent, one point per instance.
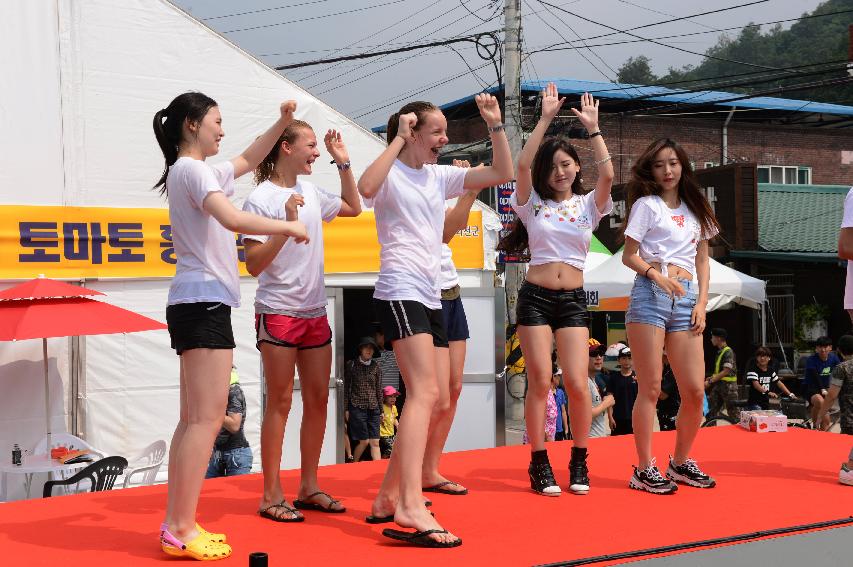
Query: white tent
<point x="612" y="281"/>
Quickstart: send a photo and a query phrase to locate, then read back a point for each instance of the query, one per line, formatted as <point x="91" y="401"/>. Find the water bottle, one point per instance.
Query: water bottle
<point x="16" y="455"/>
<point x="258" y="559"/>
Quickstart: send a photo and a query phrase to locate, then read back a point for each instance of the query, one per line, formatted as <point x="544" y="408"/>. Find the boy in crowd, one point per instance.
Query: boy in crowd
<point x="819" y="367"/>
<point x="623" y="385"/>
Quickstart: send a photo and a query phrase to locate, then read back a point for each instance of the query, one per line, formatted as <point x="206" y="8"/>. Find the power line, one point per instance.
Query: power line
<point x="362" y="9"/>
<point x="264" y="10"/>
<point x="665" y="14"/>
<point x="617" y="30"/>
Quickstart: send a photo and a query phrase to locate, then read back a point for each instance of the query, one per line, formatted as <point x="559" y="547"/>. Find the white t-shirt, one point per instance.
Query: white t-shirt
<point x="409" y="209"/>
<point x="847" y="222"/>
<point x="206" y="250"/>
<point x="666" y="236"/>
<point x="449" y="277"/>
<point x="293" y="282"/>
<point x="559" y="232"/>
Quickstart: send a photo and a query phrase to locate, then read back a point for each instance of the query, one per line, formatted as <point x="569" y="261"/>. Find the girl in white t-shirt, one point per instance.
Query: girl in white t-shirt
<point x="555" y="222"/>
<point x="202" y="293"/>
<point x="407" y="191"/>
<point x="667" y="228"/>
<point x="290" y="307"/>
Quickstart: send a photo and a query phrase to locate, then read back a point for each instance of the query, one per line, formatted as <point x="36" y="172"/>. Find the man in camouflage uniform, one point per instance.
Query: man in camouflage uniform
<point x="841" y="388"/>
<point x="722" y="384"/>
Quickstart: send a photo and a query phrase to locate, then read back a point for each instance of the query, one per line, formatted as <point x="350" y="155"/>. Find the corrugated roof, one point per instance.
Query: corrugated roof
<point x="800" y="218"/>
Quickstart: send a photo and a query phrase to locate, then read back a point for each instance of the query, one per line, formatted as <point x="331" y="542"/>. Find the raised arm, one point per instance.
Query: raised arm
<point x="259" y="255"/>
<point x="373" y="177"/>
<point x="501" y="169"/>
<point x="350" y="203"/>
<point x="258" y="150"/>
<point x="588" y="116"/>
<point x="456" y="217"/>
<point x="220" y="208"/>
<point x="551" y="105"/>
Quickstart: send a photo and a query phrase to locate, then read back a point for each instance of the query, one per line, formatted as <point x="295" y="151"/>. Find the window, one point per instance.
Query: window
<point x="785" y="174"/>
<point x="710" y="164"/>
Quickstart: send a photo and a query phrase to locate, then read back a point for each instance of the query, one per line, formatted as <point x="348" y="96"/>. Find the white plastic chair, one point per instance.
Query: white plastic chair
<point x="147" y="464"/>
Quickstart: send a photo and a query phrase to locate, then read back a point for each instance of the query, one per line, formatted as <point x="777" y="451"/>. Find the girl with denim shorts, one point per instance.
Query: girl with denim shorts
<point x="667" y="228"/>
<point x="205" y="288"/>
<point x="555" y="222"/>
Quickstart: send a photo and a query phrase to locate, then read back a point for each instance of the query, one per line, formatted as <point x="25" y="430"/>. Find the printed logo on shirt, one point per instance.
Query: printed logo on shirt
<point x="678" y="220"/>
<point x="583" y="222"/>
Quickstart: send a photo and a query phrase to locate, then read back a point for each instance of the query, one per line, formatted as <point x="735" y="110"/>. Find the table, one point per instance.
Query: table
<point x="31" y="465"/>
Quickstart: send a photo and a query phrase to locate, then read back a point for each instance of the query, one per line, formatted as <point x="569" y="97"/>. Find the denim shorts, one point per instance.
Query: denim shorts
<point x="652" y="305"/>
<point x="229" y="462"/>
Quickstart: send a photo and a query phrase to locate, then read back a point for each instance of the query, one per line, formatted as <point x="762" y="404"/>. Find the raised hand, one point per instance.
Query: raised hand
<point x="298" y="232"/>
<point x="336" y="147"/>
<point x="290" y="207"/>
<point x="287" y="109"/>
<point x="588" y="114"/>
<point x="461" y="163"/>
<point x="489" y="108"/>
<point x="406" y="126"/>
<point x="551" y="102"/>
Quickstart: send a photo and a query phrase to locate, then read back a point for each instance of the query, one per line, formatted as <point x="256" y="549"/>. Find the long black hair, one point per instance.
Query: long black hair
<point x="168" y="126"/>
<point x="516" y="241"/>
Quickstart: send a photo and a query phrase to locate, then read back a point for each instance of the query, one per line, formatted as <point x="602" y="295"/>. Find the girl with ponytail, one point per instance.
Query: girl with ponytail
<point x="290" y="307"/>
<point x="205" y="288"/>
<point x="556" y="218"/>
<point x="407" y="190"/>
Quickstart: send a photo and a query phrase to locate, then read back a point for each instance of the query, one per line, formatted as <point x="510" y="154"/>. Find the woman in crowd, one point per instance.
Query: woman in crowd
<point x="556" y="218"/>
<point x="407" y="190"/>
<point x="290" y="307"/>
<point x="667" y="228"/>
<point x="205" y="288"/>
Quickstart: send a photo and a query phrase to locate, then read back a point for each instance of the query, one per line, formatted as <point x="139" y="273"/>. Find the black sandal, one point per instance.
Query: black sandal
<point x="441" y="490"/>
<point x="420" y="539"/>
<point x="265" y="513"/>
<point x="305" y="505"/>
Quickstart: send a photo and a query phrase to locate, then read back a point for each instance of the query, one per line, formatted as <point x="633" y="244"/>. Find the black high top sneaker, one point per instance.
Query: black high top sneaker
<point x="541" y="476"/>
<point x="650" y="480"/>
<point x="690" y="474"/>
<point x="578" y="471"/>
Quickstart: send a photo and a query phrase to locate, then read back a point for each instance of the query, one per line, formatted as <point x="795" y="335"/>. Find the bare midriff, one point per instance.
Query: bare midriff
<point x="556" y="276"/>
<point x="673" y="271"/>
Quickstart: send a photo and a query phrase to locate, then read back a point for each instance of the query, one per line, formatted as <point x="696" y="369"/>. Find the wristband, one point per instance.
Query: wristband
<point x="342" y="166"/>
<point x="594" y="134"/>
<point x="497" y="128"/>
<point x="646" y="273"/>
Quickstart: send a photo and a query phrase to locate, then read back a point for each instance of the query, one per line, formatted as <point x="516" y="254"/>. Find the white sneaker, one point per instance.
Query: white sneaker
<point x="845" y="475"/>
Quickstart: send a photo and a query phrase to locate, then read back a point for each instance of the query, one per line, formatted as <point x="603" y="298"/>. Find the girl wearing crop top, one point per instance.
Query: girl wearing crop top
<point x="290" y="308"/>
<point x="407" y="191"/>
<point x="555" y="222"/>
<point x="205" y="288"/>
<point x="667" y="228"/>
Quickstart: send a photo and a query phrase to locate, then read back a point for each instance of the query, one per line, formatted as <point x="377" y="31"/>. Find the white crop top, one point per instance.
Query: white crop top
<point x="559" y="232"/>
<point x="666" y="236"/>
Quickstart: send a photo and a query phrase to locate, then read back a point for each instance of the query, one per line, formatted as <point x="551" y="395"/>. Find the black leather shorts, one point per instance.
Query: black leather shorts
<point x="557" y="308"/>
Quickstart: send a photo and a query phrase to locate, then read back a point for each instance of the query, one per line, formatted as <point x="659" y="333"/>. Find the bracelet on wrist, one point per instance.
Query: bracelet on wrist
<point x="496" y="128"/>
<point x="594" y="134"/>
<point x="342" y="166"/>
<point x="646" y="273"/>
<point x="603" y="160"/>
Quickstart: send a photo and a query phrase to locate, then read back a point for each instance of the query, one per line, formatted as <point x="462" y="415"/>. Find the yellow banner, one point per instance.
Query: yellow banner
<point x="99" y="242"/>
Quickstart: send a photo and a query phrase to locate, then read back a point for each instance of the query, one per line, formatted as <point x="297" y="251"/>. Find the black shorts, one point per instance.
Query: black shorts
<point x="557" y="308"/>
<point x="404" y="318"/>
<point x="199" y="325"/>
<point x="364" y="423"/>
<point x="455" y="322"/>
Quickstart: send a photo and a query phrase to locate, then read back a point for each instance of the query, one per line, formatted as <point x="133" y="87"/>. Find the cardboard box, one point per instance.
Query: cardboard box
<point x="763" y="421"/>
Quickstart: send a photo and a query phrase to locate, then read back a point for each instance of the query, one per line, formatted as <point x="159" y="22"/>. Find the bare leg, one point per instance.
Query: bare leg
<point x="536" y="346"/>
<point x="647" y="345"/>
<point x="573" y="353"/>
<point x="451" y="363"/>
<point x="279" y="369"/>
<point x="359" y="449"/>
<point x="375" y="454"/>
<point x="401" y="490"/>
<point x="180" y="429"/>
<point x="686" y="356"/>
<point x="315" y="367"/>
<point x="207" y="374"/>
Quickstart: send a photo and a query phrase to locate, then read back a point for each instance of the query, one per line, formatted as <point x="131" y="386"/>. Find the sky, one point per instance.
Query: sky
<point x="281" y="32"/>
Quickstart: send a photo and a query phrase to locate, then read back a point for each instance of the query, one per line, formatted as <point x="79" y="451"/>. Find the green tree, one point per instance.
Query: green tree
<point x="636" y="71"/>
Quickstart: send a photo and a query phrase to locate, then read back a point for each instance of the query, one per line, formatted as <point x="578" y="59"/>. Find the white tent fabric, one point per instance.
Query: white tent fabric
<point x="612" y="279"/>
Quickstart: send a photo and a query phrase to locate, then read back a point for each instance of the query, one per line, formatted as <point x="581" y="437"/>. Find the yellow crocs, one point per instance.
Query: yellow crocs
<point x="201" y="548"/>
<point x="214" y="537"/>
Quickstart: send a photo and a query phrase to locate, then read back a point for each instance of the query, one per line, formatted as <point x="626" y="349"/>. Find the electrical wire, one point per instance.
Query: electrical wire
<point x="362" y="9"/>
<point x="263" y="10"/>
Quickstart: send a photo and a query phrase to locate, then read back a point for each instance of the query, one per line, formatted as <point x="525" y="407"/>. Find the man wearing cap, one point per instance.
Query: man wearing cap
<point x="598" y="378"/>
<point x="721" y="386"/>
<point x="363" y="399"/>
<point x="819" y="367"/>
<point x="624" y="387"/>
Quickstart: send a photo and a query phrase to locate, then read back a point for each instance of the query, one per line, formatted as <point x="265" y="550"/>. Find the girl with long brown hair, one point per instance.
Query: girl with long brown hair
<point x="667" y="228"/>
<point x="556" y="220"/>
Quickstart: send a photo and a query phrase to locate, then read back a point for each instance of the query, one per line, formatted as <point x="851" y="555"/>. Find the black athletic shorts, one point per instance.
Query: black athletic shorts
<point x="199" y="325"/>
<point x="455" y="322"/>
<point x="404" y="318"/>
<point x="557" y="308"/>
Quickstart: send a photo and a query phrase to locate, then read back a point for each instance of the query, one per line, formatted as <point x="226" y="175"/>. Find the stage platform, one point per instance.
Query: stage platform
<point x="765" y="481"/>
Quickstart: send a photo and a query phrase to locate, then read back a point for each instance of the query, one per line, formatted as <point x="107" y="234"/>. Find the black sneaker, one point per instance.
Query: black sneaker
<point x="650" y="480"/>
<point x="690" y="474"/>
<point x="542" y="479"/>
<point x="578" y="474"/>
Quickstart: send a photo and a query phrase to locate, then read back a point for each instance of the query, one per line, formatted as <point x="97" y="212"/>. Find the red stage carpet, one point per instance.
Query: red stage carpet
<point x="765" y="481"/>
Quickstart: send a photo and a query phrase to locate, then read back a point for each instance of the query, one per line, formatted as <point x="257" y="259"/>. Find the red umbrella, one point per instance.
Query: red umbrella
<point x="43" y="308"/>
